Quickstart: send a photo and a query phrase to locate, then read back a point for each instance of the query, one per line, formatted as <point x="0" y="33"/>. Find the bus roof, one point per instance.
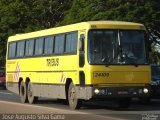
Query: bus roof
<point x="79" y="26"/>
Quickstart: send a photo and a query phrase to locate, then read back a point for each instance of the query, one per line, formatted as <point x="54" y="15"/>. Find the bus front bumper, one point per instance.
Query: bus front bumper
<point x="121" y="92"/>
<point x="113" y="92"/>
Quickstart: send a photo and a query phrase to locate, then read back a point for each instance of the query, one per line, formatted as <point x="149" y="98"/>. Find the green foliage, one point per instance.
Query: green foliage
<point x="21" y="16"/>
<point x="18" y="16"/>
<point x="142" y="11"/>
<point x="146" y="12"/>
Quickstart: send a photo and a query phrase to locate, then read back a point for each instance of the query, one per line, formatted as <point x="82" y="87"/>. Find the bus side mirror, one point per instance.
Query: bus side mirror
<point x="81" y="43"/>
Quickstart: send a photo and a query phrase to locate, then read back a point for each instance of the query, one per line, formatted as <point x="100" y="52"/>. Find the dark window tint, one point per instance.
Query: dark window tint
<point x="29" y="47"/>
<point x="12" y="50"/>
<point x="71" y="42"/>
<point x="155" y="71"/>
<point x="59" y="44"/>
<point x="20" y="49"/>
<point x="39" y="46"/>
<point x="2" y="74"/>
<point x="48" y="49"/>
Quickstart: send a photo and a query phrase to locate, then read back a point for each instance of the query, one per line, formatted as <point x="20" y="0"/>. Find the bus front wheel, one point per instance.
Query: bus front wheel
<point x="23" y="92"/>
<point x="30" y="94"/>
<point x="74" y="102"/>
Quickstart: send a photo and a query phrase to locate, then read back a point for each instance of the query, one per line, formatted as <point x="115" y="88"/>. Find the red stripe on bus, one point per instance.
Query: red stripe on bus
<point x="2" y="78"/>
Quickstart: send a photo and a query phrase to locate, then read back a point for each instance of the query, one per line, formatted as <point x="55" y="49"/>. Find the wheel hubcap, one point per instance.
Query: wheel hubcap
<point x="29" y="91"/>
<point x="72" y="95"/>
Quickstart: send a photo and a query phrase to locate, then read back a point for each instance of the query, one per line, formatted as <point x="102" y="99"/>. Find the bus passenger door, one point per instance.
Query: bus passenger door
<point x="81" y="59"/>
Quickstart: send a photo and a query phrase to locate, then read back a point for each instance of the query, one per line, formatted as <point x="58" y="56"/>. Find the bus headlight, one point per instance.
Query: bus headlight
<point x="96" y="91"/>
<point x="145" y="90"/>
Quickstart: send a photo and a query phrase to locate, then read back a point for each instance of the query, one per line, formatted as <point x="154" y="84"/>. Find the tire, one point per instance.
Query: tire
<point x="124" y="102"/>
<point x="30" y="94"/>
<point x="74" y="102"/>
<point x="23" y="93"/>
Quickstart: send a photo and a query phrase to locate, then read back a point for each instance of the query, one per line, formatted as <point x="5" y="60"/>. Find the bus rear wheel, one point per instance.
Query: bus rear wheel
<point x="23" y="92"/>
<point x="74" y="102"/>
<point x="30" y="94"/>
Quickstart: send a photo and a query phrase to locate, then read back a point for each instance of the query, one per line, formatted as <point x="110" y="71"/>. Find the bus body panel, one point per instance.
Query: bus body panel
<point x="49" y="73"/>
<point x="120" y="74"/>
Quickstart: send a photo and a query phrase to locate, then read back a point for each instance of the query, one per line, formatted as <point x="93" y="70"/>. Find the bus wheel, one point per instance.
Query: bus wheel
<point x="30" y="94"/>
<point x="124" y="102"/>
<point x="23" y="92"/>
<point x="74" y="102"/>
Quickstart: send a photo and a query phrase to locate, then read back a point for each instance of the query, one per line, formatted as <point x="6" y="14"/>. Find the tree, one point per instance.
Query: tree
<point x="21" y="16"/>
<point x="146" y="12"/>
<point x="10" y="21"/>
<point x="46" y="13"/>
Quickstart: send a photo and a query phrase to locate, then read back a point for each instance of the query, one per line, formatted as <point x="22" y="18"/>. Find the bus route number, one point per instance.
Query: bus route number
<point x="101" y="74"/>
<point x="52" y="62"/>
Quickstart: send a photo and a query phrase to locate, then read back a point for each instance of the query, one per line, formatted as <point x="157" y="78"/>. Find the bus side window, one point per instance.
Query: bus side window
<point x="59" y="44"/>
<point x="12" y="50"/>
<point x="29" y="47"/>
<point x="20" y="48"/>
<point x="71" y="42"/>
<point x="49" y="43"/>
<point x="39" y="46"/>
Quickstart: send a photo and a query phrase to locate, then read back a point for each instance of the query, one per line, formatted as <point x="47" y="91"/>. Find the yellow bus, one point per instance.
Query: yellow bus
<point x="82" y="61"/>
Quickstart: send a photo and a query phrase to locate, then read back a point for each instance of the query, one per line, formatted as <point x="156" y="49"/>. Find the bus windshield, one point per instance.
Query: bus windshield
<point x="117" y="47"/>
